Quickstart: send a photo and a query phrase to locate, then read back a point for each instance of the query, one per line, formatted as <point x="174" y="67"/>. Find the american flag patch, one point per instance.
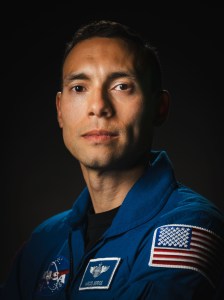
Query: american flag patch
<point x="188" y="247"/>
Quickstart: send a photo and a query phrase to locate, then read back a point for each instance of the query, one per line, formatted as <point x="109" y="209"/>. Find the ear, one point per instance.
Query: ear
<point x="162" y="108"/>
<point x="58" y="106"/>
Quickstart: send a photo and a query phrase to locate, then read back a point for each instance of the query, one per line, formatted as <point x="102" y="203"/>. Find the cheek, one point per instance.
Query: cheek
<point x="70" y="126"/>
<point x="71" y="115"/>
<point x="141" y="123"/>
<point x="134" y="116"/>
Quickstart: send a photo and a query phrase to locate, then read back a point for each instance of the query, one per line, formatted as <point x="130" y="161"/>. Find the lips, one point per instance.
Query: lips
<point x="100" y="135"/>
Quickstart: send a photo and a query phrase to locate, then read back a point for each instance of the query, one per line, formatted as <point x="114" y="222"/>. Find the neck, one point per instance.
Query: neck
<point x="108" y="188"/>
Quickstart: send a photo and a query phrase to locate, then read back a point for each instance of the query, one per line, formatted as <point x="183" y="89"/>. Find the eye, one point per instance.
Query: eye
<point x="78" y="88"/>
<point x="121" y="87"/>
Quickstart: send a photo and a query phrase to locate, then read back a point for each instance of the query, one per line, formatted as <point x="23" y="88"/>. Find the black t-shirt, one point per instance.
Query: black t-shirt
<point x="97" y="224"/>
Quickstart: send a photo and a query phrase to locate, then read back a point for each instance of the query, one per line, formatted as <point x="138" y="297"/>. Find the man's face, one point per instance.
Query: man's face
<point x="102" y="108"/>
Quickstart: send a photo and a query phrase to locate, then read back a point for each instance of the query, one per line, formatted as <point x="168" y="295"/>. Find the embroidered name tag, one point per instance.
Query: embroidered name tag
<point x="99" y="273"/>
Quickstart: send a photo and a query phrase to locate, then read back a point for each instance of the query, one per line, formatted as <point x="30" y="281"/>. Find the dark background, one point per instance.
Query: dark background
<point x="39" y="176"/>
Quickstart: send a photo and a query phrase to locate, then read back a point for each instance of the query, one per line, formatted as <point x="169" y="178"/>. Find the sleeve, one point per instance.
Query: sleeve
<point x="174" y="285"/>
<point x="180" y="262"/>
<point x="171" y="288"/>
<point x="21" y="280"/>
<point x="10" y="288"/>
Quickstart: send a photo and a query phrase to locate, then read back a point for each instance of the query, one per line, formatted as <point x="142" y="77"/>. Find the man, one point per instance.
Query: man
<point x="134" y="232"/>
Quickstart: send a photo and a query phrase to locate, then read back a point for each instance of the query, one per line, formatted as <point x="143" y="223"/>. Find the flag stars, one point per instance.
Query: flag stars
<point x="174" y="236"/>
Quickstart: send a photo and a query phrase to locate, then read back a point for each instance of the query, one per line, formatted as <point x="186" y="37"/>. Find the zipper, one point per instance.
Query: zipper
<point x="83" y="264"/>
<point x="67" y="290"/>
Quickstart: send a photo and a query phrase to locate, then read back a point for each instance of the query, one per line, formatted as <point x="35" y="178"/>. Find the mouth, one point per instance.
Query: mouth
<point x="100" y="135"/>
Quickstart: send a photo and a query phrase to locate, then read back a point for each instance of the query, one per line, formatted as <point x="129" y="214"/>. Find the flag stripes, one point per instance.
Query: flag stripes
<point x="187" y="247"/>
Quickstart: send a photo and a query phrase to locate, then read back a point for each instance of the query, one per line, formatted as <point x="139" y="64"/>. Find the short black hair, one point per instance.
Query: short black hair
<point x="110" y="29"/>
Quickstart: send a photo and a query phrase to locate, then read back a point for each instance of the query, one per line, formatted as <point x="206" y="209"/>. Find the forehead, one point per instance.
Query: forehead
<point x="113" y="52"/>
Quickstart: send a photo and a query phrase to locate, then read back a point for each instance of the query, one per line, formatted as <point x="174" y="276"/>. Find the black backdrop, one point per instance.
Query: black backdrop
<point x="39" y="176"/>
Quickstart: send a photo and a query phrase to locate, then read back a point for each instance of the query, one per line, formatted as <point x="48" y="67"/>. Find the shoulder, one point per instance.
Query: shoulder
<point x="187" y="207"/>
<point x="47" y="236"/>
<point x="189" y="235"/>
<point x="186" y="199"/>
<point x="58" y="221"/>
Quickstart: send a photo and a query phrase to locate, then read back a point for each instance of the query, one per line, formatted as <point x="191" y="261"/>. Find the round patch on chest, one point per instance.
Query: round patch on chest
<point x="54" y="277"/>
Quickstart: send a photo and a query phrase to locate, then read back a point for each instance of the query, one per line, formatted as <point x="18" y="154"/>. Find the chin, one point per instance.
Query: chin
<point x="99" y="162"/>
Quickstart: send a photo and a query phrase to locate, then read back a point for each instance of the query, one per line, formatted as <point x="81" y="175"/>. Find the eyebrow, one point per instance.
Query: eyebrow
<point x="117" y="75"/>
<point x="112" y="76"/>
<point x="76" y="76"/>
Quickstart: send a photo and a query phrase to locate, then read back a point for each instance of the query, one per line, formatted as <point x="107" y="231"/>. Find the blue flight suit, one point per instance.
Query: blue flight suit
<point x="165" y="242"/>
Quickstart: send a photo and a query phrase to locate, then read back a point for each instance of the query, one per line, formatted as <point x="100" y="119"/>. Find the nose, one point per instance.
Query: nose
<point x="100" y="105"/>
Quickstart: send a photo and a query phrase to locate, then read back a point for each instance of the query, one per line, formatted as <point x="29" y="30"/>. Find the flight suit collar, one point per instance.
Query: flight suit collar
<point x="144" y="200"/>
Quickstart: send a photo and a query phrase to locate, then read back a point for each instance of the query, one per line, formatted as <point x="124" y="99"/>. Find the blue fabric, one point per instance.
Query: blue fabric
<point x="157" y="211"/>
